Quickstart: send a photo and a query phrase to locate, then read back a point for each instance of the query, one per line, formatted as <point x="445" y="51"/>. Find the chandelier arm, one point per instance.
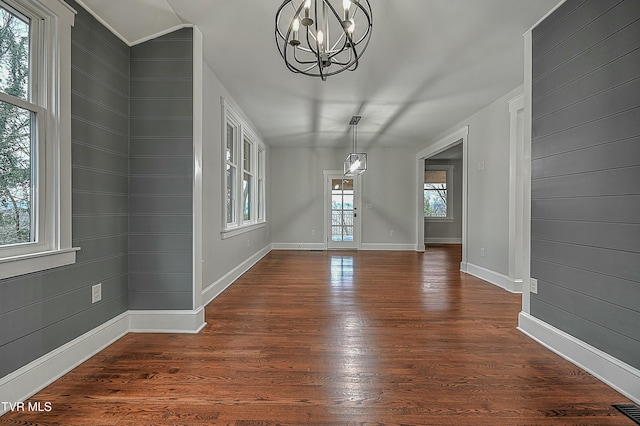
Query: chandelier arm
<point x="300" y="61"/>
<point x="311" y="49"/>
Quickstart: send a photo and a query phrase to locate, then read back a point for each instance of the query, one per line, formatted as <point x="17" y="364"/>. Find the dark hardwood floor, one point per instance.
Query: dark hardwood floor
<point x="337" y="338"/>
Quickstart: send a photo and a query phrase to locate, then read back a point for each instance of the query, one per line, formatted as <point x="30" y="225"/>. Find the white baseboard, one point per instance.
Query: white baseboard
<point x="167" y="321"/>
<point x="26" y="381"/>
<point x="31" y="378"/>
<point x="214" y="289"/>
<point x="442" y="240"/>
<point x="388" y="247"/>
<point x="495" y="278"/>
<point x="615" y="373"/>
<point x="298" y="246"/>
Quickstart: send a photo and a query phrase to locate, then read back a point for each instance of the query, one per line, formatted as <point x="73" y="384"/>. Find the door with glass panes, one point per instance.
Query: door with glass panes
<point x="342" y="229"/>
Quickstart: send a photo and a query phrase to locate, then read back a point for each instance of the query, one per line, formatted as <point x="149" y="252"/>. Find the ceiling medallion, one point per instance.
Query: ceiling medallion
<point x="315" y="39"/>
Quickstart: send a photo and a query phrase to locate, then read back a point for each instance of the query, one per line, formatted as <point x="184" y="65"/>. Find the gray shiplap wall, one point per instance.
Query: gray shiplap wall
<point x="161" y="169"/>
<point x="42" y="311"/>
<point x="585" y="173"/>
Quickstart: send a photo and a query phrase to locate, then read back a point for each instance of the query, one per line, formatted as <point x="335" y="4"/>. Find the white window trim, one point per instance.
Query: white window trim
<point x="449" y="169"/>
<point x="54" y="247"/>
<point x="244" y="131"/>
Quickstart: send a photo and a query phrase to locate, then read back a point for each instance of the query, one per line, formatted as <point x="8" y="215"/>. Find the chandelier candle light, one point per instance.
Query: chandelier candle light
<point x="356" y="162"/>
<point x="315" y="40"/>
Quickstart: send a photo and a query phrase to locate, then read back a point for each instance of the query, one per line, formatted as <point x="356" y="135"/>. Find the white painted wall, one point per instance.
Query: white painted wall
<point x="297" y="185"/>
<point x="297" y="194"/>
<point x="387" y="187"/>
<point x="220" y="256"/>
<point x="488" y="186"/>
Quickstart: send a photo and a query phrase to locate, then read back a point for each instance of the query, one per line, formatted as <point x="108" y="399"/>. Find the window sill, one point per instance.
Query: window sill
<point x="35" y="262"/>
<point x="228" y="233"/>
<point x="439" y="219"/>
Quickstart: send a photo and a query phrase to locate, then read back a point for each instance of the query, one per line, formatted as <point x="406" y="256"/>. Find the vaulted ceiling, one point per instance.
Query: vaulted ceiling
<point x="429" y="65"/>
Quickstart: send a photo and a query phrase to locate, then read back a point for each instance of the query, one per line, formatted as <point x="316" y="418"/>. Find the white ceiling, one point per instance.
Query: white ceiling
<point x="429" y="65"/>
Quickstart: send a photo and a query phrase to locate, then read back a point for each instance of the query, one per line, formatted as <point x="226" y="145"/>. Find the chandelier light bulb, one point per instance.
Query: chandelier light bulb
<point x="346" y="5"/>
<point x="320" y="38"/>
<point x="295" y="26"/>
<point x="307" y="21"/>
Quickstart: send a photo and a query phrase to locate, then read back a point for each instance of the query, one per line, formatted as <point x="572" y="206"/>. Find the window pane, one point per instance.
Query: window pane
<point x="260" y="199"/>
<point x="247" y="190"/>
<point x="231" y="211"/>
<point x="336" y="201"/>
<point x="16" y="189"/>
<point x="348" y="200"/>
<point x="230" y="144"/>
<point x="14" y="54"/>
<point x="435" y="200"/>
<point x="247" y="155"/>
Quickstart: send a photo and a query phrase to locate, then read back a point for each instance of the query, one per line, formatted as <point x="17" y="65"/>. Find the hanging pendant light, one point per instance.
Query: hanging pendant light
<point x="315" y="40"/>
<point x="356" y="162"/>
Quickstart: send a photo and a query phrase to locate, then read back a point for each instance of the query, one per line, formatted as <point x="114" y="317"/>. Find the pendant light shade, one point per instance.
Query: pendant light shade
<point x="356" y="162"/>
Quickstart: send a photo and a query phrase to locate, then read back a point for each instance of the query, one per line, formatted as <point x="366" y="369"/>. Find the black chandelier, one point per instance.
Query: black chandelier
<point x="315" y="40"/>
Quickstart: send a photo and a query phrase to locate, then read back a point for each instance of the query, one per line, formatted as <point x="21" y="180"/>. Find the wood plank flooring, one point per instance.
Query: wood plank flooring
<point x="337" y="338"/>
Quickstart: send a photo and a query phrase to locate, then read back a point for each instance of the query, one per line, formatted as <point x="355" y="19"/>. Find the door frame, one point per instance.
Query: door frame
<point x="439" y="146"/>
<point x="357" y="189"/>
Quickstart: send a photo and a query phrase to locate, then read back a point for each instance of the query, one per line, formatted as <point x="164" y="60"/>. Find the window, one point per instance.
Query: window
<point x="247" y="181"/>
<point x="437" y="192"/>
<point x="231" y="167"/>
<point x="35" y="189"/>
<point x="244" y="177"/>
<point x="261" y="165"/>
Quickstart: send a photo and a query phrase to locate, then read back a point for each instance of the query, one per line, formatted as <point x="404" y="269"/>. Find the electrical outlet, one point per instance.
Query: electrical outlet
<point x="313" y="232"/>
<point x="96" y="293"/>
<point x="482" y="252"/>
<point x="533" y="286"/>
<point x="481" y="165"/>
<point x="248" y="243"/>
<point x="392" y="233"/>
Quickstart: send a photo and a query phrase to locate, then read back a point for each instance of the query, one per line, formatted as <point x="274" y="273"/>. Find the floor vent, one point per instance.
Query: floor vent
<point x="629" y="410"/>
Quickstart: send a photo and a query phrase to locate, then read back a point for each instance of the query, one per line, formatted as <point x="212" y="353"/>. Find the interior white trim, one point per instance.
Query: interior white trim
<point x="430" y="151"/>
<point x="526" y="175"/>
<point x="214" y="289"/>
<point x="167" y="321"/>
<point x="198" y="123"/>
<point x="495" y="278"/>
<point x="159" y="34"/>
<point x="124" y="39"/>
<point x="388" y="247"/>
<point x="298" y="246"/>
<point x="26" y="381"/>
<point x="546" y="15"/>
<point x="34" y="262"/>
<point x="443" y="240"/>
<point x="516" y="188"/>
<point x="615" y="373"/>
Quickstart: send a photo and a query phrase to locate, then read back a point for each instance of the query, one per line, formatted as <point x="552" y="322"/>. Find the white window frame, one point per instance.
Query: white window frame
<point x="232" y="162"/>
<point x="449" y="169"/>
<point x="250" y="172"/>
<point x="51" y="64"/>
<point x="260" y="186"/>
<point x="243" y="132"/>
